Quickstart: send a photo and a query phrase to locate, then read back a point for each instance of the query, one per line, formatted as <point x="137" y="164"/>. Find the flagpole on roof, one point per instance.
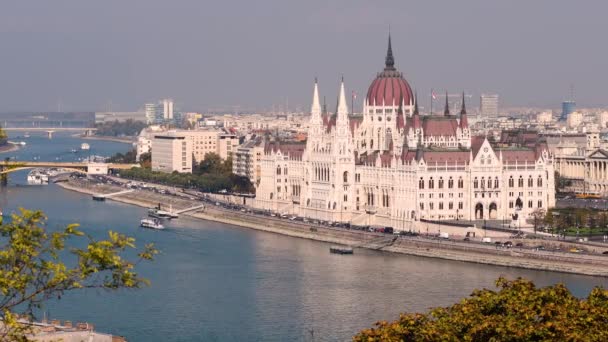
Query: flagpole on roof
<point x="431" y="111"/>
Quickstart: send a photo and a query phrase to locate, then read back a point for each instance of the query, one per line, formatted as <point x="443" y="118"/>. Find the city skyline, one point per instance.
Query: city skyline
<point x="82" y="56"/>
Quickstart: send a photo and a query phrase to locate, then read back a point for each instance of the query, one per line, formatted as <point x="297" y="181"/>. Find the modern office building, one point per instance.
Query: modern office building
<point x="489" y="105"/>
<point x="162" y="112"/>
<point x="150" y="110"/>
<point x="567" y="108"/>
<point x="171" y="152"/>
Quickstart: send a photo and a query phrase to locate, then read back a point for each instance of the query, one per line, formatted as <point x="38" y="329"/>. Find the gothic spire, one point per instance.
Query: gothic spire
<point x="464" y="109"/>
<point x="464" y="122"/>
<point x="342" y="110"/>
<point x="416" y="103"/>
<point x="446" y="111"/>
<point x="315" y="109"/>
<point x="390" y="61"/>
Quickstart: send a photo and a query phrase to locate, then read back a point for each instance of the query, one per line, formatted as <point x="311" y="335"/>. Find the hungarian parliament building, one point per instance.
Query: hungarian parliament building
<point x="392" y="166"/>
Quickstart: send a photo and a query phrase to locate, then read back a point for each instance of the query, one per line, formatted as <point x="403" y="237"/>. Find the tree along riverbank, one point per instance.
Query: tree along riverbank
<point x="558" y="261"/>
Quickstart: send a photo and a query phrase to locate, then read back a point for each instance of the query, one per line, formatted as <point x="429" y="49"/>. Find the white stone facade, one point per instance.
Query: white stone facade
<point x="393" y="172"/>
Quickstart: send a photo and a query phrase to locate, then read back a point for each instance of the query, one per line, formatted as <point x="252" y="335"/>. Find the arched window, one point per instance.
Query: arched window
<point x="530" y="182"/>
<point x="520" y="182"/>
<point x="496" y="182"/>
<point x="271" y="195"/>
<point x="440" y="183"/>
<point x="483" y="182"/>
<point x="475" y="183"/>
<point x="489" y="182"/>
<point x="431" y="183"/>
<point x="539" y="181"/>
<point x="345" y="176"/>
<point x="460" y="183"/>
<point x="421" y="183"/>
<point x="278" y="170"/>
<point x="450" y="183"/>
<point x="285" y="170"/>
<point x="511" y="182"/>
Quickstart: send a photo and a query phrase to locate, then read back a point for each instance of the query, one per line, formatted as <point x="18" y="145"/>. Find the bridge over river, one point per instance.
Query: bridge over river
<point x="7" y="167"/>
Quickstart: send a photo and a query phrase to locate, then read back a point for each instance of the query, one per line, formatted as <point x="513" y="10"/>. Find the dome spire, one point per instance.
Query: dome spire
<point x="416" y="103"/>
<point x="446" y="111"/>
<point x="390" y="61"/>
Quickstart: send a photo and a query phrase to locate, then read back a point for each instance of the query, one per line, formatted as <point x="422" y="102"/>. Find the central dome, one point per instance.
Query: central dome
<point x="389" y="88"/>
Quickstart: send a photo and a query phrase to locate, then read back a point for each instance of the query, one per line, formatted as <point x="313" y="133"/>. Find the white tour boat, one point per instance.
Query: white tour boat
<point x="85" y="147"/>
<point x="152" y="224"/>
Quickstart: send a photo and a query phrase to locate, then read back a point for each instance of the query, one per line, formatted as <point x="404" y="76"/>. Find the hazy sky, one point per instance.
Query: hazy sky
<point x="207" y="54"/>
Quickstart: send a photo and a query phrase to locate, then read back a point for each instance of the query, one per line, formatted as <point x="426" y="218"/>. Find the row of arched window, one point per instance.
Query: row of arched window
<point x="520" y="182"/>
<point x="322" y="174"/>
<point x="440" y="183"/>
<point x="485" y="184"/>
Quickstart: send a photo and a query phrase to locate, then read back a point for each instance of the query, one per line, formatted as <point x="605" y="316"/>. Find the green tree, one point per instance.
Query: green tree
<point x="32" y="270"/>
<point x="549" y="220"/>
<point x="519" y="311"/>
<point x="537" y="218"/>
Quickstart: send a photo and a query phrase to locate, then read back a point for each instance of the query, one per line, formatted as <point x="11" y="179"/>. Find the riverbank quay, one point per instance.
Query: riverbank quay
<point x="522" y="257"/>
<point x="124" y="140"/>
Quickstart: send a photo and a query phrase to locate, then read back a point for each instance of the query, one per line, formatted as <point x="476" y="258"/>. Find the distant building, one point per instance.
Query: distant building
<point x="574" y="119"/>
<point x="101" y="117"/>
<point x="144" y="140"/>
<point x="162" y="112"/>
<point x="567" y="108"/>
<point x="603" y="120"/>
<point x="171" y="152"/>
<point x="247" y="160"/>
<point x="489" y="105"/>
<point x="544" y="117"/>
<point x="150" y="110"/>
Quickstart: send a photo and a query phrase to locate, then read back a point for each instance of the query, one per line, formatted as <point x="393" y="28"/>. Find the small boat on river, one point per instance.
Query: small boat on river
<point x="340" y="250"/>
<point x="151" y="224"/>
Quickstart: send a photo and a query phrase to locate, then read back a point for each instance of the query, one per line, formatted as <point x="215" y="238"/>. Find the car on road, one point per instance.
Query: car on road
<point x="466" y="239"/>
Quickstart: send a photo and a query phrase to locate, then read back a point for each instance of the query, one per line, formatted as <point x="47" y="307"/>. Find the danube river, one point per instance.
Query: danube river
<point x="214" y="282"/>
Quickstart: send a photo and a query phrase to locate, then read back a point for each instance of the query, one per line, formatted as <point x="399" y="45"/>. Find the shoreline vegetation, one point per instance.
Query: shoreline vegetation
<point x="9" y="147"/>
<point x="584" y="264"/>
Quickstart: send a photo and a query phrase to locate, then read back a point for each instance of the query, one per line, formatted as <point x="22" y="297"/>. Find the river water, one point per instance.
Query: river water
<point x="215" y="282"/>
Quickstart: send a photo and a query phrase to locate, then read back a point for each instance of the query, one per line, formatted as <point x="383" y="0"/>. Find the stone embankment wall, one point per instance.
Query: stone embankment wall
<point x="419" y="246"/>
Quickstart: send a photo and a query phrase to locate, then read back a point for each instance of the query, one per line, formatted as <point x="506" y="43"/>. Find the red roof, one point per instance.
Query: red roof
<point x="439" y="126"/>
<point x="518" y="156"/>
<point x="449" y="157"/>
<point x="287" y="148"/>
<point x="389" y="89"/>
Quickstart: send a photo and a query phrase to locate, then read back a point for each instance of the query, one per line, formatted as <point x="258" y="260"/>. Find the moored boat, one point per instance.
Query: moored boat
<point x="340" y="250"/>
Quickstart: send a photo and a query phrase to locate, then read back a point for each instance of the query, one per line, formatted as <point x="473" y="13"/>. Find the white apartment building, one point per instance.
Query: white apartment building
<point x="211" y="140"/>
<point x="144" y="140"/>
<point x="247" y="160"/>
<point x="171" y="152"/>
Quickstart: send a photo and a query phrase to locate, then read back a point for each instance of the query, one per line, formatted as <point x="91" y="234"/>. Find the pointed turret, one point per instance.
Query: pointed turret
<point x="446" y="111"/>
<point x="315" y="110"/>
<point x="342" y="109"/>
<point x="464" y="122"/>
<point x="416" y="115"/>
<point x="389" y="63"/>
